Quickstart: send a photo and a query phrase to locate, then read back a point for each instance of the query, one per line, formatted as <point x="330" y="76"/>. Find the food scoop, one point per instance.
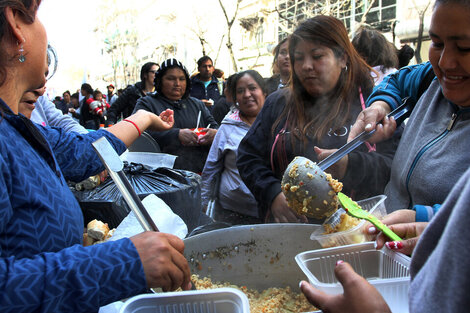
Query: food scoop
<point x="310" y="191"/>
<point x="354" y="210"/>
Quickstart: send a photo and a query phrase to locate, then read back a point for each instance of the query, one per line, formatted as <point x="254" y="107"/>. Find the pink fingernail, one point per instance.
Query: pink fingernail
<point x="372" y="230"/>
<point x="339" y="262"/>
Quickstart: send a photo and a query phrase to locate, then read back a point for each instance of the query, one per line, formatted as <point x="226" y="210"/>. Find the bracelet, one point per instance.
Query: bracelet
<point x="136" y="127"/>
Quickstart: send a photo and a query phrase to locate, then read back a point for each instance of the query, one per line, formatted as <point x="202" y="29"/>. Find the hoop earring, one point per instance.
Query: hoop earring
<point x="346" y="68"/>
<point x="21" y="58"/>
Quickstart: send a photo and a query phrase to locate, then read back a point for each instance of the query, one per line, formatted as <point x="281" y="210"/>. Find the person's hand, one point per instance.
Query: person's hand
<point x="187" y="137"/>
<point x="359" y="296"/>
<point x="409" y="232"/>
<point x="369" y="117"/>
<point x="164" y="121"/>
<point x="167" y="118"/>
<point x="208" y="137"/>
<point x="282" y="213"/>
<point x="396" y="217"/>
<point x="71" y="110"/>
<point x="337" y="170"/>
<point x="163" y="261"/>
<point x="208" y="103"/>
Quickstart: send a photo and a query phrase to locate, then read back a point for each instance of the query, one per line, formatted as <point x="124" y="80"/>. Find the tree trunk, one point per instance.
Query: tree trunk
<point x="420" y="39"/>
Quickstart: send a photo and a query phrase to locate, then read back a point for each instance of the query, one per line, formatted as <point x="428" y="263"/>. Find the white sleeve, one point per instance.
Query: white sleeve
<point x="47" y="114"/>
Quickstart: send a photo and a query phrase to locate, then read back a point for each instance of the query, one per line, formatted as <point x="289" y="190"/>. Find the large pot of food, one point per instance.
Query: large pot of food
<point x="255" y="256"/>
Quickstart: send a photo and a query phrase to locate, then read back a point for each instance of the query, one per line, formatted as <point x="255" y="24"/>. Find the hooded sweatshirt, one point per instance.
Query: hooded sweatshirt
<point x="221" y="162"/>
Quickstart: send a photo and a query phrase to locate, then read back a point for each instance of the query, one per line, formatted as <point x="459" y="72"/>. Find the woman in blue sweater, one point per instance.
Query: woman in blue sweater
<point x="43" y="265"/>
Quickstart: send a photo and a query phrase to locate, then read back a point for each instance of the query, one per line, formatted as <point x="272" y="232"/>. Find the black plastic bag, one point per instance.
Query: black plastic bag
<point x="179" y="189"/>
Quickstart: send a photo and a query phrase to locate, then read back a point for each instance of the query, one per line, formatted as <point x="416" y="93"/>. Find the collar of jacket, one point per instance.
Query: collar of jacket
<point x="31" y="133"/>
<point x="197" y="79"/>
<point x="178" y="105"/>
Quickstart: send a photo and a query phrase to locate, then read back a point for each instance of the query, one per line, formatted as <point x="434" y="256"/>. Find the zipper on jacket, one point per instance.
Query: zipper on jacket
<point x="426" y="148"/>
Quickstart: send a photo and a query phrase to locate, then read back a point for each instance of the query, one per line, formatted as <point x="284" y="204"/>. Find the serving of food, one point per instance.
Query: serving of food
<point x="271" y="300"/>
<point x="310" y="191"/>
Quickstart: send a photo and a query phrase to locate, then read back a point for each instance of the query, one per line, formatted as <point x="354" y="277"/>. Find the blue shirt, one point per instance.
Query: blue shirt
<point x="43" y="266"/>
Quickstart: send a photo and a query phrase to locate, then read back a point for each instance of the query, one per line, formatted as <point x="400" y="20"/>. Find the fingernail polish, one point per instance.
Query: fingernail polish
<point x="339" y="262"/>
<point x="368" y="126"/>
<point x="394" y="245"/>
<point x="372" y="230"/>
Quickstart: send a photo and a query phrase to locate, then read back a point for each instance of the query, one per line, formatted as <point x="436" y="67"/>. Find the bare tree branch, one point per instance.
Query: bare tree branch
<point x="229" y="28"/>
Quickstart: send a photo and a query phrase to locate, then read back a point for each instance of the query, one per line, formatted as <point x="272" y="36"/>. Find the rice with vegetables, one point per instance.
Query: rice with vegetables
<point x="271" y="300"/>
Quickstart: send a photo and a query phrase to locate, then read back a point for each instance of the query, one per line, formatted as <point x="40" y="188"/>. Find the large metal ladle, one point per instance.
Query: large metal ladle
<point x="305" y="184"/>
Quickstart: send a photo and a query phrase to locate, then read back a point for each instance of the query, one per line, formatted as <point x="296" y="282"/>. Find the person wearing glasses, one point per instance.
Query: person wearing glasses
<point x="125" y="103"/>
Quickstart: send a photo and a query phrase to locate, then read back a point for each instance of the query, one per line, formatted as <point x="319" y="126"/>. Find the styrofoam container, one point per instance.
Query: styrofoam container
<point x="151" y="159"/>
<point x="221" y="300"/>
<point x="374" y="205"/>
<point x="386" y="270"/>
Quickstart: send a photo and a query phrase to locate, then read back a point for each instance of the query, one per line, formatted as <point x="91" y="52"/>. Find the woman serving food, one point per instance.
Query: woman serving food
<point x="329" y="82"/>
<point x="43" y="265"/>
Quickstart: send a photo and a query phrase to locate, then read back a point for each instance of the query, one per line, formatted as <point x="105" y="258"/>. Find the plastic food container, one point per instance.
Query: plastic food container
<point x="386" y="270"/>
<point x="199" y="132"/>
<point x="374" y="205"/>
<point x="221" y="300"/>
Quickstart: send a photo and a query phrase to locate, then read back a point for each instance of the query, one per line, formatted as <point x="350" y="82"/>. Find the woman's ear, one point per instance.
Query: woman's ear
<point x="344" y="60"/>
<point x="16" y="22"/>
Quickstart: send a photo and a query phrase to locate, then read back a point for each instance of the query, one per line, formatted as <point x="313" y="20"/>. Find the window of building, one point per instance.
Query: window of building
<point x="381" y="16"/>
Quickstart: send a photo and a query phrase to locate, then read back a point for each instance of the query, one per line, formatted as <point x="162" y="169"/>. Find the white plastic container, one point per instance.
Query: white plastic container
<point x="386" y="270"/>
<point x="221" y="300"/>
<point x="151" y="159"/>
<point x="374" y="205"/>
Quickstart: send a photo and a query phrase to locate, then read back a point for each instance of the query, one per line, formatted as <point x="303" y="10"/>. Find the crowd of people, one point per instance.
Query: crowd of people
<point x="240" y="134"/>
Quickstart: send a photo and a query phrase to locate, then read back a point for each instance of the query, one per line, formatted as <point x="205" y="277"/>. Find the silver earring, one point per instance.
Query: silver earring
<point x="346" y="68"/>
<point x="21" y="58"/>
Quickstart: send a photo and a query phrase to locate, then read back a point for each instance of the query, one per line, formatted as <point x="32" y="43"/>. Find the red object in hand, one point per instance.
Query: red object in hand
<point x="199" y="132"/>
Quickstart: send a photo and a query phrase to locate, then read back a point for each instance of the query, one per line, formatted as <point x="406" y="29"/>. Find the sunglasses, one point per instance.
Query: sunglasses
<point x="52" y="61"/>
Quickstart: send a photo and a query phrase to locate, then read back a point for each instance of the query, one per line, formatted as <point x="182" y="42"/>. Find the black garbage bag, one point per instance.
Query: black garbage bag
<point x="180" y="190"/>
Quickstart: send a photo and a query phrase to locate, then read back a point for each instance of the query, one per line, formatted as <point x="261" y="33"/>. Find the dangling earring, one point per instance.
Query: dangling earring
<point x="21" y="58"/>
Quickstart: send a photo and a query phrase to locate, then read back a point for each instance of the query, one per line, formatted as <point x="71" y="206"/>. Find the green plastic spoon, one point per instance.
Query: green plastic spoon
<point x="355" y="210"/>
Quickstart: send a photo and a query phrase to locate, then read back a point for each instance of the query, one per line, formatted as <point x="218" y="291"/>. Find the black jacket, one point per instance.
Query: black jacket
<point x="185" y="113"/>
<point x="366" y="176"/>
<point x="125" y="103"/>
<point x="88" y="119"/>
<point x="199" y="91"/>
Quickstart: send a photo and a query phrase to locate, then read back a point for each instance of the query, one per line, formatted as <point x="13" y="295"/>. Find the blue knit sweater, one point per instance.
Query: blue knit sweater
<point x="43" y="266"/>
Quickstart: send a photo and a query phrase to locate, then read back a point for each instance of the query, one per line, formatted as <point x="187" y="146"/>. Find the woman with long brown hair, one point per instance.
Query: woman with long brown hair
<point x="329" y="84"/>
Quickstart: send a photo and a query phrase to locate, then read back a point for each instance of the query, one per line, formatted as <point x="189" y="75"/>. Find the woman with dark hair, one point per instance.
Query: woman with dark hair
<point x="125" y="103"/>
<point x="220" y="171"/>
<point x="377" y="51"/>
<point x="225" y="102"/>
<point x="281" y="67"/>
<point x="172" y="85"/>
<point x="44" y="266"/>
<point x="329" y="83"/>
